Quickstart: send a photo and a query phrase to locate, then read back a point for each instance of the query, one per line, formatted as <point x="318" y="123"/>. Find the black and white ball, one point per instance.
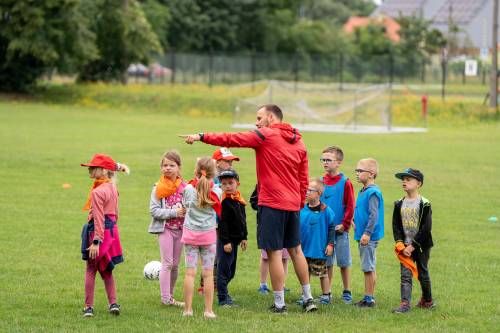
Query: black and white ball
<point x="152" y="270"/>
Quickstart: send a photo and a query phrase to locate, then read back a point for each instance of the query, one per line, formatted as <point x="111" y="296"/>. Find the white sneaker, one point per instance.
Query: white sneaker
<point x="173" y="302"/>
<point x="187" y="313"/>
<point x="209" y="315"/>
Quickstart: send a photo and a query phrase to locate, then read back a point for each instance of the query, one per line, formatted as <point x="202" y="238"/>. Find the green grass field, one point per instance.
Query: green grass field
<point x="41" y="276"/>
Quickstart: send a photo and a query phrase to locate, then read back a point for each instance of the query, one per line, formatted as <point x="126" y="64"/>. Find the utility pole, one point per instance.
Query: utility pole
<point x="494" y="66"/>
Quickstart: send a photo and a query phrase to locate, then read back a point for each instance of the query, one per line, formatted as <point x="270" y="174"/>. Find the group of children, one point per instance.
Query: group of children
<point x="207" y="216"/>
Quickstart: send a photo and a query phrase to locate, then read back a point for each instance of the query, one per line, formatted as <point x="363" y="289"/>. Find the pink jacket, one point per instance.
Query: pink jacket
<point x="104" y="201"/>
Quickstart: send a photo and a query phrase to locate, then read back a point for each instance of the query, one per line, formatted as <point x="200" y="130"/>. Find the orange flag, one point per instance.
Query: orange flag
<point x="406" y="261"/>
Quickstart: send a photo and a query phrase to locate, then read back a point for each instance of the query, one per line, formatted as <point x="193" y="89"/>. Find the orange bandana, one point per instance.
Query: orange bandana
<point x="234" y="196"/>
<point x="97" y="183"/>
<point x="406" y="261"/>
<point x="166" y="187"/>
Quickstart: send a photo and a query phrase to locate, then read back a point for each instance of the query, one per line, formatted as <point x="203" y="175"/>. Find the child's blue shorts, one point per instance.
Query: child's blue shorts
<point x="367" y="254"/>
<point x="342" y="251"/>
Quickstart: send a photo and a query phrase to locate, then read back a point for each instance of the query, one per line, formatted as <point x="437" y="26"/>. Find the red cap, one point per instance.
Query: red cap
<point x="224" y="154"/>
<point x="101" y="161"/>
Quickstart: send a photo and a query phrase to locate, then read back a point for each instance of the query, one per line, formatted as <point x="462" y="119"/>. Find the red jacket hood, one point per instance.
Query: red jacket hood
<point x="288" y="133"/>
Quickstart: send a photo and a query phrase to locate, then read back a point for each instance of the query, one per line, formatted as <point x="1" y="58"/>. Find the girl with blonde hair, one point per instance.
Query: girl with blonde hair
<point x="101" y="246"/>
<point x="203" y="204"/>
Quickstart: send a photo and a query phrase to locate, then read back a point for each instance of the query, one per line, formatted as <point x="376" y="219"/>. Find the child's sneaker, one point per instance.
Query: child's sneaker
<point x="228" y="303"/>
<point x="274" y="309"/>
<point x="173" y="302"/>
<point x="114" y="309"/>
<point x="300" y="301"/>
<point x="325" y="299"/>
<point x="347" y="297"/>
<point x="187" y="313"/>
<point x="209" y="315"/>
<point x="263" y="289"/>
<point x="88" y="311"/>
<point x="423" y="304"/>
<point x="365" y="304"/>
<point x="402" y="308"/>
<point x="309" y="306"/>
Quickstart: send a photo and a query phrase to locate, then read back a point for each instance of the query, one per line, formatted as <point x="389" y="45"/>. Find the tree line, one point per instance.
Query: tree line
<point x="99" y="39"/>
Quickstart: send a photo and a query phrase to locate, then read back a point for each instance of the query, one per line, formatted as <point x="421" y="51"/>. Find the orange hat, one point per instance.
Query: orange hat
<point x="102" y="161"/>
<point x="224" y="154"/>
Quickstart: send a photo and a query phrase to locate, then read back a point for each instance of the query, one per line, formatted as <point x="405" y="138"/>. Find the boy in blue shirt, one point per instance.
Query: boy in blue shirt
<point x="339" y="196"/>
<point x="317" y="233"/>
<point x="369" y="222"/>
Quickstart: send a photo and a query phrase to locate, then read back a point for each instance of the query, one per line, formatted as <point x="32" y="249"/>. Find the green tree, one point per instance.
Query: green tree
<point x="371" y="40"/>
<point x="38" y="36"/>
<point x="337" y="11"/>
<point x="418" y="42"/>
<point x="204" y="25"/>
<point x="158" y="15"/>
<point x="316" y="37"/>
<point x="123" y="36"/>
<point x="231" y="25"/>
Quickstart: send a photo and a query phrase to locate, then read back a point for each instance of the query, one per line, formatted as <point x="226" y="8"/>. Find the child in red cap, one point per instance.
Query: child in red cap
<point x="223" y="161"/>
<point x="101" y="246"/>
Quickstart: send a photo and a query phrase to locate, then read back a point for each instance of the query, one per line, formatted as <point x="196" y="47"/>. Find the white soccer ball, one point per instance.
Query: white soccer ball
<point x="152" y="270"/>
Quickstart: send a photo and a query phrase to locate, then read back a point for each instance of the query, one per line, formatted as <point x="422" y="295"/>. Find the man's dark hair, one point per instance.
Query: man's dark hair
<point x="274" y="109"/>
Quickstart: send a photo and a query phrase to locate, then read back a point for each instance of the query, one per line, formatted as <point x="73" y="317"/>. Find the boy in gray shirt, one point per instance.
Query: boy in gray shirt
<point x="411" y="225"/>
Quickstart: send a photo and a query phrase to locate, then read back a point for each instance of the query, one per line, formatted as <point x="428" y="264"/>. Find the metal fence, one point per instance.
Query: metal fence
<point x="186" y="68"/>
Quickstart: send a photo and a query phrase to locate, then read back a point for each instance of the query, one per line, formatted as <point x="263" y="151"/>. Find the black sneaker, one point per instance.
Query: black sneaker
<point x="228" y="303"/>
<point x="365" y="304"/>
<point x="114" y="309"/>
<point x="88" y="312"/>
<point x="309" y="306"/>
<point x="274" y="309"/>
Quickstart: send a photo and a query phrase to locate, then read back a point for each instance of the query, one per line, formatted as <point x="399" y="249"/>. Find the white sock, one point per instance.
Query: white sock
<point x="279" y="298"/>
<point x="306" y="291"/>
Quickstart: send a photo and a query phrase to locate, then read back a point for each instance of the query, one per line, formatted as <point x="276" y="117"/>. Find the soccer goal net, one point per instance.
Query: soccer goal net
<point x="321" y="107"/>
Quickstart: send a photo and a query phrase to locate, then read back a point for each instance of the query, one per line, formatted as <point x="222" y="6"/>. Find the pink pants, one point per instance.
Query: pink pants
<point x="170" y="251"/>
<point x="109" y="285"/>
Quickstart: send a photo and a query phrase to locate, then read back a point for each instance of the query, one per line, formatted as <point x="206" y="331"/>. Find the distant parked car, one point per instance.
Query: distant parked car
<point x="138" y="70"/>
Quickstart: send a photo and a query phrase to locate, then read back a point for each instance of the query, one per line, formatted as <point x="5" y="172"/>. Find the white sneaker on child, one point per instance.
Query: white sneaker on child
<point x="173" y="302"/>
<point x="209" y="315"/>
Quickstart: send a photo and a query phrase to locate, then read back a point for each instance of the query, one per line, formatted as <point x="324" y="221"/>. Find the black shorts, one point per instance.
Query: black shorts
<point x="277" y="229"/>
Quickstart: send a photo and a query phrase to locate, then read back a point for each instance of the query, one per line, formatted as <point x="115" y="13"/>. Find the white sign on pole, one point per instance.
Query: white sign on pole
<point x="484" y="53"/>
<point x="471" y="67"/>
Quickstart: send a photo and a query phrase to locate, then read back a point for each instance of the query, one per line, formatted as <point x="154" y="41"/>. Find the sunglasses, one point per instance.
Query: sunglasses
<point x="361" y="170"/>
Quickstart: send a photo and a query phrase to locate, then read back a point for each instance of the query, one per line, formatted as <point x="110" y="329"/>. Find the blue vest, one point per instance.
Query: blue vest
<point x="361" y="213"/>
<point x="333" y="197"/>
<point x="314" y="231"/>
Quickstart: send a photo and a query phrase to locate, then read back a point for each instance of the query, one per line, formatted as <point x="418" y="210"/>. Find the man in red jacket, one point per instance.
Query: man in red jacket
<point x="282" y="176"/>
